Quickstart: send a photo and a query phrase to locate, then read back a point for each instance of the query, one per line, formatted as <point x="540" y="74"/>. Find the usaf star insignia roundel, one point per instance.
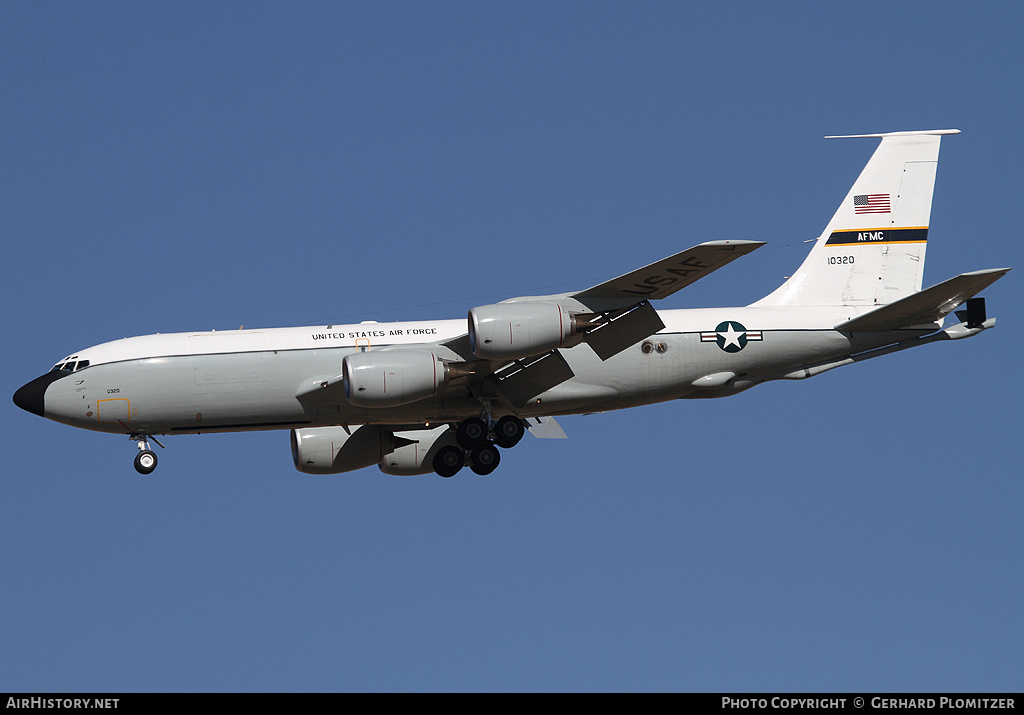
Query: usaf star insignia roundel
<point x="731" y="336"/>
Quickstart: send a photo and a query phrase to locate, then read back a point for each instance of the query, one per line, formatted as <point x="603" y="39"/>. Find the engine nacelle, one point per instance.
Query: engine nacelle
<point x="392" y="377"/>
<point x="417" y="458"/>
<point x="332" y="450"/>
<point x="507" y="331"/>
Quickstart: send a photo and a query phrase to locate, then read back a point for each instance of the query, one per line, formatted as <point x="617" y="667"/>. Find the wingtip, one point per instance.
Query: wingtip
<point x="726" y="243"/>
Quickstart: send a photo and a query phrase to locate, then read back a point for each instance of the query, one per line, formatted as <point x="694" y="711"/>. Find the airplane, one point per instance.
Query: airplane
<point x="436" y="396"/>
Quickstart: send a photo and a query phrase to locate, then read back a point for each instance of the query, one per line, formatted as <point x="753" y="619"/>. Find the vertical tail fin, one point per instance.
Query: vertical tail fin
<point x="872" y="251"/>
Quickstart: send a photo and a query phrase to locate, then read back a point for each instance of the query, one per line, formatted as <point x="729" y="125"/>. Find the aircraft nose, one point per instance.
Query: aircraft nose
<point x="29" y="397"/>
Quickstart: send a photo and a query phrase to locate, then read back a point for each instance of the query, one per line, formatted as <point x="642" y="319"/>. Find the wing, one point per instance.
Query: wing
<point x="663" y="278"/>
<point x="519" y="362"/>
<point x="609" y="317"/>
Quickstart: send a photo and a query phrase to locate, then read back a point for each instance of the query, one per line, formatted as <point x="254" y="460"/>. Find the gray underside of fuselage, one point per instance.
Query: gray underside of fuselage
<point x="179" y="394"/>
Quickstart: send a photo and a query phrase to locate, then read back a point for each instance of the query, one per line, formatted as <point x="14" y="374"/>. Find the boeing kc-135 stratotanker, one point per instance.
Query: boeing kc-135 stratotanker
<point x="436" y="396"/>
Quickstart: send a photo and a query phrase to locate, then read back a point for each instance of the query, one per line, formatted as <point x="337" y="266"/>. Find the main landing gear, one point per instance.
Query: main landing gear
<point x="145" y="460"/>
<point x="476" y="445"/>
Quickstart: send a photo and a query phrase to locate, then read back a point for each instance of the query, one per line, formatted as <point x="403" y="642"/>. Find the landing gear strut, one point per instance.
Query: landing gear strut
<point x="145" y="460"/>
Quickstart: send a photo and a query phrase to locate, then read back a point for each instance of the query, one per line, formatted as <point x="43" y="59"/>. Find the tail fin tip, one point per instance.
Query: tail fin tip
<point x="921" y="132"/>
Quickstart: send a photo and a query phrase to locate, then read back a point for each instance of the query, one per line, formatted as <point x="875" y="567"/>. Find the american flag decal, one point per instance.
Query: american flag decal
<point x="871" y="204"/>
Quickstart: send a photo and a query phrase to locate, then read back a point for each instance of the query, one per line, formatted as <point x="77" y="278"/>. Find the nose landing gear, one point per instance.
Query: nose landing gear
<point x="145" y="460"/>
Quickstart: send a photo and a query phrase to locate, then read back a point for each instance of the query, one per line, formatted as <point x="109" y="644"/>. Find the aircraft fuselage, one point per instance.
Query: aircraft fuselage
<point x="250" y="379"/>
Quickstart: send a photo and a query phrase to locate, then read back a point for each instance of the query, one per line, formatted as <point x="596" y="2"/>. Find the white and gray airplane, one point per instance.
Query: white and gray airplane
<point x="417" y="397"/>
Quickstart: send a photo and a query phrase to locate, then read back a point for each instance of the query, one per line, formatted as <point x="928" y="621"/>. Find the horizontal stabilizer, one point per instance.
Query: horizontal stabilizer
<point x="663" y="278"/>
<point x="927" y="306"/>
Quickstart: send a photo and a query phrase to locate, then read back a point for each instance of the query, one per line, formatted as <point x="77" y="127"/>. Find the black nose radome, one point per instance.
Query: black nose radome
<point x="30" y="396"/>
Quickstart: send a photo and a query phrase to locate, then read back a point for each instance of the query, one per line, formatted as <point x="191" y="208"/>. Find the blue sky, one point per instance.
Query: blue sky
<point x="208" y="165"/>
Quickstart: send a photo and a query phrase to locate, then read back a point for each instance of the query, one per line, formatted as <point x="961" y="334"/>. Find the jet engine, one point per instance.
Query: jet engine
<point x="332" y="450"/>
<point x="417" y="458"/>
<point x="392" y="377"/>
<point x="508" y="331"/>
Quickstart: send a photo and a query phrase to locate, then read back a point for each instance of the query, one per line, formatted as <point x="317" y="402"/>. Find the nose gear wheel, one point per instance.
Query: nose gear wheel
<point x="145" y="460"/>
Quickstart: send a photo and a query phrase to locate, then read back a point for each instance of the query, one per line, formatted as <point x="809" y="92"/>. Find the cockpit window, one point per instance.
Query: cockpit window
<point x="70" y="366"/>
